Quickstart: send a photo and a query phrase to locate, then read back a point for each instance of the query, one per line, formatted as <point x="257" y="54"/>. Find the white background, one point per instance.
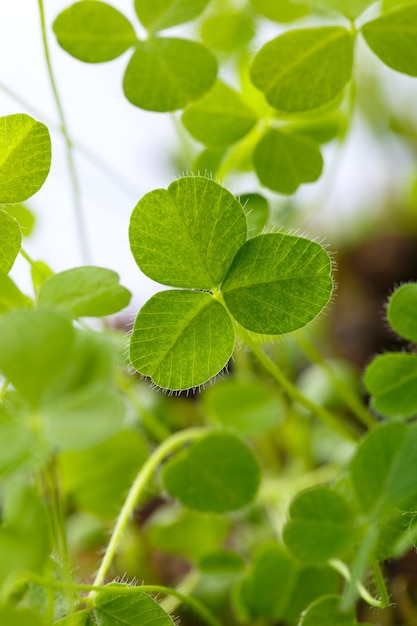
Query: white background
<point x="136" y="145"/>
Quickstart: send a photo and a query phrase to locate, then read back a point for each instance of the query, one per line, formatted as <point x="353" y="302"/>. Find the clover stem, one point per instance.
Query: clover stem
<point x="136" y="491"/>
<point x="342" y="569"/>
<point x="380" y="583"/>
<point x="292" y="390"/>
<point x="79" y="213"/>
<point x="351" y="400"/>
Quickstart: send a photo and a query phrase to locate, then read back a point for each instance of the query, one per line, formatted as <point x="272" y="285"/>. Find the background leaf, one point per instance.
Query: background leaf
<point x="84" y="291"/>
<point x="95" y="411"/>
<point x="391" y="380"/>
<point x="282" y="11"/>
<point x="393" y="38"/>
<point x="93" y="31"/>
<point x="196" y="476"/>
<point x="35" y="346"/>
<point x="181" y="339"/>
<point x="283" y="162"/>
<point x="111" y="467"/>
<point x="320" y="526"/>
<point x="278" y="283"/>
<point x="188" y="235"/>
<point x="326" y="612"/>
<point x="220" y="117"/>
<point x="166" y="74"/>
<point x="25" y="157"/>
<point x="227" y="31"/>
<point x="175" y="530"/>
<point x="401" y="311"/>
<point x="10" y="241"/>
<point x="159" y="14"/>
<point x="10" y="295"/>
<point x="256" y="209"/>
<point x="305" y="68"/>
<point x="380" y="468"/>
<point x="248" y="406"/>
<point x="113" y="608"/>
<point x="349" y="8"/>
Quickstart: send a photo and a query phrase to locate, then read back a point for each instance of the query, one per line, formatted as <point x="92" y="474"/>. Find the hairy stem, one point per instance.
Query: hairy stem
<point x="293" y="391"/>
<point x="79" y="214"/>
<point x="136" y="491"/>
<point x="342" y="569"/>
<point x="380" y="584"/>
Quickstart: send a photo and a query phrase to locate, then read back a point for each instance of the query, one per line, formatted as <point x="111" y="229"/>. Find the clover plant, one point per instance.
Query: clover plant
<point x="101" y="475"/>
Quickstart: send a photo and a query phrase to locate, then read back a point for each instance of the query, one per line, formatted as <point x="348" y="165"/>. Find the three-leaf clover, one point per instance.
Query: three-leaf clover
<point x="193" y="236"/>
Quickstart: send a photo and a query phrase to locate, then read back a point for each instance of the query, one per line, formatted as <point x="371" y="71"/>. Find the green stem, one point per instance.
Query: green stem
<point x="342" y="569"/>
<point x="137" y="489"/>
<point x="195" y="604"/>
<point x="79" y="217"/>
<point x="150" y="423"/>
<point x="292" y="390"/>
<point x="187" y="584"/>
<point x="359" y="566"/>
<point x="27" y="258"/>
<point x="380" y="584"/>
<point x="351" y="400"/>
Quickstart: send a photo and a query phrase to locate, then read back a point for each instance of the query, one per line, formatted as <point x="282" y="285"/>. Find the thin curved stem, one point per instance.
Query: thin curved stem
<point x="198" y="607"/>
<point x="136" y="491"/>
<point x="342" y="569"/>
<point x="79" y="215"/>
<point x="292" y="390"/>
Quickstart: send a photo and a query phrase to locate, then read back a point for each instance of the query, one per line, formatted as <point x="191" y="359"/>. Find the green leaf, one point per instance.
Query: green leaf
<point x="283" y="162"/>
<point x="257" y="597"/>
<point x="380" y="468"/>
<point x="349" y="8"/>
<point x="220" y="118"/>
<point x="84" y="418"/>
<point x="393" y="38"/>
<point x="10" y="295"/>
<point x="111" y="468"/>
<point x="401" y="311"/>
<point x="10" y="241"/>
<point x="84" y="292"/>
<point x="320" y="526"/>
<point x="293" y="588"/>
<point x="117" y="608"/>
<point x="25" y="157"/>
<point x="248" y="406"/>
<point x="159" y="14"/>
<point x="165" y="74"/>
<point x="35" y="345"/>
<point x="93" y="31"/>
<point x="75" y="619"/>
<point x="391" y="380"/>
<point x="24" y="217"/>
<point x="282" y="11"/>
<point x="278" y="283"/>
<point x="196" y="476"/>
<point x="256" y="209"/>
<point x="304" y="69"/>
<point x="18" y="617"/>
<point x="188" y="533"/>
<point x="187" y="236"/>
<point x="227" y="31"/>
<point x="181" y="339"/>
<point x="326" y="612"/>
<point x="208" y="161"/>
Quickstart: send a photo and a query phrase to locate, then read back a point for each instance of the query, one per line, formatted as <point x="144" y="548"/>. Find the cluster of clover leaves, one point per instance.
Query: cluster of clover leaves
<point x="291" y="94"/>
<point x="60" y="399"/>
